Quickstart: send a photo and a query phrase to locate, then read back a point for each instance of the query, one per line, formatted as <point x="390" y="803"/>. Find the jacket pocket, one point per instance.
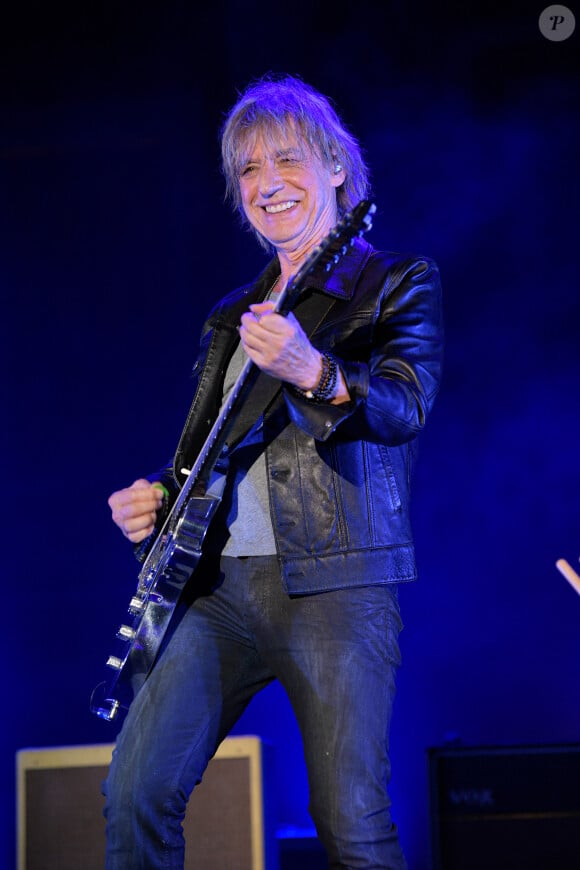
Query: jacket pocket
<point x="393" y="487"/>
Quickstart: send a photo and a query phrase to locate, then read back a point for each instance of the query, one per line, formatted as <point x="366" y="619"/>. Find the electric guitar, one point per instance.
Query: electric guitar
<point x="175" y="552"/>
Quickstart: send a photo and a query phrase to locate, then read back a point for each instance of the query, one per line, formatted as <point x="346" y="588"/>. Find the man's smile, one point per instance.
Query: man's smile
<point x="279" y="206"/>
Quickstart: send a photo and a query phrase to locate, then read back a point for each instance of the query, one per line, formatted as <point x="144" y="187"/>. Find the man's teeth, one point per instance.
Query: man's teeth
<point x="282" y="206"/>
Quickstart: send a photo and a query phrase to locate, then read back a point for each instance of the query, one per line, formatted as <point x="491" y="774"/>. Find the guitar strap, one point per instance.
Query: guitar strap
<point x="261" y="389"/>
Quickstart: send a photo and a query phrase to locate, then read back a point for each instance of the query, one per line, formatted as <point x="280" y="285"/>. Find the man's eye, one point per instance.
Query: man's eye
<point x="247" y="170"/>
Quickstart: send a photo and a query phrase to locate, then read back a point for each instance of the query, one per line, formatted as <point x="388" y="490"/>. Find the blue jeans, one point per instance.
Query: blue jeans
<point x="335" y="653"/>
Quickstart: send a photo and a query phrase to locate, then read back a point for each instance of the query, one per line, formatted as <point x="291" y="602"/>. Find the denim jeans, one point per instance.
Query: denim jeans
<point x="335" y="653"/>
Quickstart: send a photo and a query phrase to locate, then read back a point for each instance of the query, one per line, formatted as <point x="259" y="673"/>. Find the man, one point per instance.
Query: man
<point x="301" y="566"/>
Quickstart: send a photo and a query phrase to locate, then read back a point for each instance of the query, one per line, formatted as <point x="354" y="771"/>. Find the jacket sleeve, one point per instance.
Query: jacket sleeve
<point x="394" y="384"/>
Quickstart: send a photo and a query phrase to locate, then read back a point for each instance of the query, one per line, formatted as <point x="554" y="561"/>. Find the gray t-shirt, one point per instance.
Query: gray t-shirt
<point x="248" y="521"/>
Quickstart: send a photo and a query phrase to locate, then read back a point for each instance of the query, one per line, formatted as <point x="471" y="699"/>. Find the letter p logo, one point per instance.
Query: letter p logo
<point x="557" y="23"/>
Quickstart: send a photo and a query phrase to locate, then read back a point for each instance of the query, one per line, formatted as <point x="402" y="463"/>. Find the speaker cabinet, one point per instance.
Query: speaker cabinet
<point x="60" y="810"/>
<point x="506" y="808"/>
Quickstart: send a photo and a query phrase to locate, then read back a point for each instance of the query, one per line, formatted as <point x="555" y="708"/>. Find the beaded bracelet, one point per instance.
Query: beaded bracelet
<point x="324" y="390"/>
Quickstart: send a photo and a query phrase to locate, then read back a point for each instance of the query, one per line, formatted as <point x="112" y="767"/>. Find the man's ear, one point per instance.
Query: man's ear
<point x="338" y="174"/>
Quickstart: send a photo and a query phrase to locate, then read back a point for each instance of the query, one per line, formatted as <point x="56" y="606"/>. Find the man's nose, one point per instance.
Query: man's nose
<point x="270" y="180"/>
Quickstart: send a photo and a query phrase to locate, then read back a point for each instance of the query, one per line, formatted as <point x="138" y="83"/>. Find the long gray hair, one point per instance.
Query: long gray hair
<point x="267" y="108"/>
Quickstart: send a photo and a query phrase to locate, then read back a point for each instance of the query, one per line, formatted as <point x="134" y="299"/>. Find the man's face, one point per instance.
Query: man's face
<point x="288" y="194"/>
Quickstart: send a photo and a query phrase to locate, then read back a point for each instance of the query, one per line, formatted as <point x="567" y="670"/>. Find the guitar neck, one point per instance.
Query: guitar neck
<point x="215" y="442"/>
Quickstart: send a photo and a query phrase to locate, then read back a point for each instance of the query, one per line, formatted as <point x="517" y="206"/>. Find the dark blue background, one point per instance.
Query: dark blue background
<point x="114" y="243"/>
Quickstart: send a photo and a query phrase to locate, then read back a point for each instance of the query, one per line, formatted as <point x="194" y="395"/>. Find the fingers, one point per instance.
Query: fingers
<point x="260" y="309"/>
<point x="260" y="323"/>
<point x="134" y="509"/>
<point x="265" y="332"/>
<point x="279" y="346"/>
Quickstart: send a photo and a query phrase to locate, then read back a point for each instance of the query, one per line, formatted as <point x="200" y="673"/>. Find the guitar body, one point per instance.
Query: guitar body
<point x="175" y="553"/>
<point x="162" y="579"/>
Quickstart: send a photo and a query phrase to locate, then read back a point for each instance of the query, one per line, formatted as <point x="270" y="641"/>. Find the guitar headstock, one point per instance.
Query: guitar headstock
<point x="351" y="226"/>
<point x="332" y="248"/>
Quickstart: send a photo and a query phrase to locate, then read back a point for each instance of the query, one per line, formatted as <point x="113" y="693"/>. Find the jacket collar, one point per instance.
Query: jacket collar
<point x="339" y="282"/>
<point x="342" y="279"/>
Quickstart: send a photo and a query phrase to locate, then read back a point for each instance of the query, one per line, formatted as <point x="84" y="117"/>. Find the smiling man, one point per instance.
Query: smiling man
<point x="289" y="195"/>
<point x="301" y="564"/>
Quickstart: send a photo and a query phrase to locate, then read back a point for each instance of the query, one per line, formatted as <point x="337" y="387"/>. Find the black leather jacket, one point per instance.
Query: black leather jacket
<point x="339" y="475"/>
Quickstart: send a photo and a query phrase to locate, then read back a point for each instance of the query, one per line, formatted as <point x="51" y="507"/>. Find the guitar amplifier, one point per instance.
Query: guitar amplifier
<point x="60" y="809"/>
<point x="506" y="808"/>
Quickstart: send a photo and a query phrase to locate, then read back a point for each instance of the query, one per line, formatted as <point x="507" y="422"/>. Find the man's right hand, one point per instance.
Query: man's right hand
<point x="135" y="509"/>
